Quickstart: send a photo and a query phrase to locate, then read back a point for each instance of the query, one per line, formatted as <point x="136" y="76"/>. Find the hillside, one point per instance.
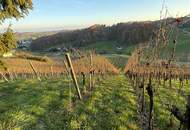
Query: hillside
<point x="120" y="38"/>
<point x="123" y="34"/>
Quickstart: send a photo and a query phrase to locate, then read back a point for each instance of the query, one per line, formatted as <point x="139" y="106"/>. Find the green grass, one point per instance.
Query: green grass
<point x="107" y="108"/>
<point x="169" y="95"/>
<point x="105" y="47"/>
<point x="109" y="47"/>
<point x="49" y="105"/>
<point x="119" y="61"/>
<point x="182" y="48"/>
<point x="183" y="43"/>
<point x="23" y="103"/>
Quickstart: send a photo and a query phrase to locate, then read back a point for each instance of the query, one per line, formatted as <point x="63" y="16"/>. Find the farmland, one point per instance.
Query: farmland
<point x="37" y="92"/>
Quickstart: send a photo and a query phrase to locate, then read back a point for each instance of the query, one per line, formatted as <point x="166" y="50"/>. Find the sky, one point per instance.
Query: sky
<point x="50" y="15"/>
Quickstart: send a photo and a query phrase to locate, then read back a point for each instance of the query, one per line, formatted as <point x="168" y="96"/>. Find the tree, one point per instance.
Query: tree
<point x="7" y="41"/>
<point x="11" y="9"/>
<point x="14" y="8"/>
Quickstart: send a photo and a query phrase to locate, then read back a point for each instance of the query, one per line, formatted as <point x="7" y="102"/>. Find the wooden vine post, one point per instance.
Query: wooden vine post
<point x="34" y="70"/>
<point x="66" y="66"/>
<point x="91" y="71"/>
<point x="10" y="75"/>
<point x="84" y="81"/>
<point x="73" y="75"/>
<point x="151" y="104"/>
<point x="4" y="77"/>
<point x="183" y="118"/>
<point x="52" y="73"/>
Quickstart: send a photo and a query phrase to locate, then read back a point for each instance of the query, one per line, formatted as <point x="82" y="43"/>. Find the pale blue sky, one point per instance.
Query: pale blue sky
<point x="72" y="14"/>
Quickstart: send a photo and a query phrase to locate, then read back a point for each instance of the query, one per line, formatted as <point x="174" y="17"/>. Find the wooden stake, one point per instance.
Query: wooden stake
<point x="4" y="77"/>
<point x="66" y="67"/>
<point x="183" y="118"/>
<point x="151" y="104"/>
<point x="84" y="81"/>
<point x="10" y="75"/>
<point x="52" y="70"/>
<point x="91" y="64"/>
<point x="34" y="70"/>
<point x="73" y="75"/>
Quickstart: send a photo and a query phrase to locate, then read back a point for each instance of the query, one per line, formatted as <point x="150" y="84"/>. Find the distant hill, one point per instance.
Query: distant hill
<point x="33" y="35"/>
<point x="124" y="34"/>
<point x="119" y="38"/>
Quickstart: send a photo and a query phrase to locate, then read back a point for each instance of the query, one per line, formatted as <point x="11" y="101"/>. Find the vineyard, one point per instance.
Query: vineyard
<point x="41" y="95"/>
<point x="149" y="73"/>
<point x="18" y="67"/>
<point x="148" y="89"/>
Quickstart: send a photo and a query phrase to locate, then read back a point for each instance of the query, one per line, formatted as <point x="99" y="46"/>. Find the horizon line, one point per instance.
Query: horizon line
<point x="68" y="28"/>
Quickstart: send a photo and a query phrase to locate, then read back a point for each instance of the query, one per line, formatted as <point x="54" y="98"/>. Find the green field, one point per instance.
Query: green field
<point x="109" y="47"/>
<point x="183" y="45"/>
<point x="52" y="105"/>
<point x="118" y="60"/>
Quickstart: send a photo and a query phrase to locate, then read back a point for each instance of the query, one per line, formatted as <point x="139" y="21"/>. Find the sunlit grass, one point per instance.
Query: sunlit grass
<point x="48" y="105"/>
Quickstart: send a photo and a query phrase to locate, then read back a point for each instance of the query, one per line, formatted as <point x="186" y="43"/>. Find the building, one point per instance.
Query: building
<point x="24" y="44"/>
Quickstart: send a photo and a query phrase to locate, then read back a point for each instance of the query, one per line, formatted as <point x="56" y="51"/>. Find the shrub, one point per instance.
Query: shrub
<point x="27" y="56"/>
<point x="3" y="65"/>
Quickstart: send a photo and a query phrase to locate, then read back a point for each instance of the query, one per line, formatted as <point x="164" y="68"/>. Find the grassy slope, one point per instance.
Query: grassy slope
<point x="24" y="103"/>
<point x="118" y="60"/>
<point x="108" y="47"/>
<point x="109" y="50"/>
<point x="46" y="106"/>
<point x="103" y="47"/>
<point x="183" y="43"/>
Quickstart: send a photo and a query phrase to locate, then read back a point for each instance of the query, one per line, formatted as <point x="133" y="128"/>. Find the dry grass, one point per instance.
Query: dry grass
<point x="100" y="65"/>
<point x="28" y="56"/>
